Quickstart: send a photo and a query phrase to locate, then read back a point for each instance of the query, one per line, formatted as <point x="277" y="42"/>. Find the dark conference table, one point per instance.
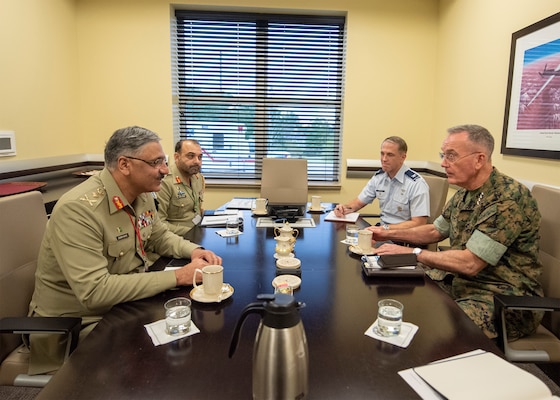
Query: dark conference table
<point x="119" y="361"/>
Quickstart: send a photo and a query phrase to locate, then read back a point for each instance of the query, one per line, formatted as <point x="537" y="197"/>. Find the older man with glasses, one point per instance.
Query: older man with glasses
<point x="492" y="223"/>
<point x="93" y="255"/>
<point x="182" y="190"/>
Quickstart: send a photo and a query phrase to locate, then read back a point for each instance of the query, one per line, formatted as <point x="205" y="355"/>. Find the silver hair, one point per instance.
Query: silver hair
<point x="127" y="141"/>
<point x="476" y="134"/>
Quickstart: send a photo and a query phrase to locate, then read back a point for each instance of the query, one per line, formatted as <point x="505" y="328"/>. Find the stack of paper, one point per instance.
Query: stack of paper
<point x="242" y="203"/>
<point x="219" y="220"/>
<point x="475" y="375"/>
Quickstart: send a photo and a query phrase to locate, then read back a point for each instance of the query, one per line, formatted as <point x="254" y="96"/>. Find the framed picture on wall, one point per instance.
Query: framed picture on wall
<point x="532" y="114"/>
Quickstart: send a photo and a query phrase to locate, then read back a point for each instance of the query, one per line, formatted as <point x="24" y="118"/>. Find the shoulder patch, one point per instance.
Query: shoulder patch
<point x="412" y="175"/>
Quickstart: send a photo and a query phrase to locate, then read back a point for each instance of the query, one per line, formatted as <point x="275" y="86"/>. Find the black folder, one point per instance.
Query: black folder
<point x="397" y="260"/>
<point x="371" y="268"/>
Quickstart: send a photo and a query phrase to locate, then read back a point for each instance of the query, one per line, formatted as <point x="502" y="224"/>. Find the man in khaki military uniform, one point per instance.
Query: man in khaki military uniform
<point x="182" y="190"/>
<point x="93" y="253"/>
<point x="492" y="224"/>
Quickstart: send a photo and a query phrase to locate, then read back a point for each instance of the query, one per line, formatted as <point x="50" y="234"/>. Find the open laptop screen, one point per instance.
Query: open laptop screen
<point x="284" y="184"/>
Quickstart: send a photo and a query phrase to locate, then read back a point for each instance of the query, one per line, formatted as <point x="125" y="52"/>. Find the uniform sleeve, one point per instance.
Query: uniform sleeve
<point x="368" y="194"/>
<point x="497" y="228"/>
<point x="164" y="200"/>
<point x="166" y="243"/>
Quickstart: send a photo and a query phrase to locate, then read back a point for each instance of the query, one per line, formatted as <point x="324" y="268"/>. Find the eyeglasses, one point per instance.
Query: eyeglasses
<point x="452" y="157"/>
<point x="158" y="162"/>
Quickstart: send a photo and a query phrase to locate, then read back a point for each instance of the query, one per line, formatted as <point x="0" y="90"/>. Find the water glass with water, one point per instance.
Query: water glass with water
<point x="352" y="234"/>
<point x="232" y="226"/>
<point x="177" y="316"/>
<point x="389" y="317"/>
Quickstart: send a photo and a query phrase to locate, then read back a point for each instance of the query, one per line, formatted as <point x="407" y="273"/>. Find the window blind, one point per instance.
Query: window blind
<point x="250" y="86"/>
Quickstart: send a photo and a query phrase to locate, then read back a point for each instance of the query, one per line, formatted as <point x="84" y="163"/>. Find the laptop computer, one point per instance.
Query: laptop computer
<point x="284" y="184"/>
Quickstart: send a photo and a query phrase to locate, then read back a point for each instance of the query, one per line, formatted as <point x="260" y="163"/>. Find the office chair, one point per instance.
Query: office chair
<point x="22" y="227"/>
<point x="438" y="195"/>
<point x="544" y="344"/>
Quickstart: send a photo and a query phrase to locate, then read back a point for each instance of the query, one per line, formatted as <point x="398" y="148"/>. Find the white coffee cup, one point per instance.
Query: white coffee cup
<point x="315" y="202"/>
<point x="260" y="205"/>
<point x="364" y="240"/>
<point x="212" y="279"/>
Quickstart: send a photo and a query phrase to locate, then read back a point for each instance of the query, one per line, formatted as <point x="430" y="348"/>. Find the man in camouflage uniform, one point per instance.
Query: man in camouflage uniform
<point x="492" y="223"/>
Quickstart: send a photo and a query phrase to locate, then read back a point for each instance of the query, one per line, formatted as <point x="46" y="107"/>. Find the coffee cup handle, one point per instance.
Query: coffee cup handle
<point x="194" y="277"/>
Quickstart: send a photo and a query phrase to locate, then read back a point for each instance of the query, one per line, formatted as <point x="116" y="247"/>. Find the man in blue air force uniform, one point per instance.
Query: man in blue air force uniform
<point x="404" y="196"/>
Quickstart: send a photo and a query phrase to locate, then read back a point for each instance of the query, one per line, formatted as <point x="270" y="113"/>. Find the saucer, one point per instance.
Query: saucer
<point x="259" y="213"/>
<point x="288" y="263"/>
<point x="357" y="250"/>
<point x="197" y="294"/>
<point x="291" y="280"/>
<point x="316" y="210"/>
<point x="278" y="256"/>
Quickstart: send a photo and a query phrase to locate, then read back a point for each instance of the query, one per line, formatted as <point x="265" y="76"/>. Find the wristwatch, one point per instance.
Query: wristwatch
<point x="417" y="250"/>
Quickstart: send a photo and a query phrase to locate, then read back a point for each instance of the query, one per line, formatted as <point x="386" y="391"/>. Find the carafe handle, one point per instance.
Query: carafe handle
<point x="251" y="308"/>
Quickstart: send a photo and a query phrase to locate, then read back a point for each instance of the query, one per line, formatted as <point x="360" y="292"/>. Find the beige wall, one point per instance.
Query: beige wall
<point x="39" y="92"/>
<point x="84" y="68"/>
<point x="472" y="67"/>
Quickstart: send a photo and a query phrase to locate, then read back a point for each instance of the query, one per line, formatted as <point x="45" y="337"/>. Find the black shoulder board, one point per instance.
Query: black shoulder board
<point x="379" y="171"/>
<point x="412" y="175"/>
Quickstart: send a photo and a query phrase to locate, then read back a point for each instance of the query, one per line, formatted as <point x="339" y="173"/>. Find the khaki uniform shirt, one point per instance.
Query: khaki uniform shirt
<point x="92" y="256"/>
<point x="180" y="202"/>
<point x="499" y="223"/>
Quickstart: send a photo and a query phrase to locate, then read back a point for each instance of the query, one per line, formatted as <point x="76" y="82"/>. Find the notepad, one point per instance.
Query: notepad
<point x="242" y="203"/>
<point x="350" y="217"/>
<point x="218" y="220"/>
<point x="476" y="375"/>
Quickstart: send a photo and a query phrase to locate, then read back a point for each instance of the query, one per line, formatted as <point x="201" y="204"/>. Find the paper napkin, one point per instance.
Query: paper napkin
<point x="156" y="330"/>
<point x="223" y="233"/>
<point x="403" y="339"/>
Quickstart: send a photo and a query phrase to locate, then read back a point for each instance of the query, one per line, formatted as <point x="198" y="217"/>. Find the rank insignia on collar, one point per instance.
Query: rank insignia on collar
<point x="178" y="179"/>
<point x="118" y="202"/>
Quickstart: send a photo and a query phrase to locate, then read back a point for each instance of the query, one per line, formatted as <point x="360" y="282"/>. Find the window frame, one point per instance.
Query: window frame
<point x="181" y="124"/>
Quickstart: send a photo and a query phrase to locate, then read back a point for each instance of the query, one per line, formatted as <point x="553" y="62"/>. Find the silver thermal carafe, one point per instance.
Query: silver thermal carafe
<point x="280" y="360"/>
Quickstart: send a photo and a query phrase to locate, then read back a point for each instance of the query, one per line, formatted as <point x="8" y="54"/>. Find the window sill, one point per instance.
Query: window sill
<point x="256" y="184"/>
